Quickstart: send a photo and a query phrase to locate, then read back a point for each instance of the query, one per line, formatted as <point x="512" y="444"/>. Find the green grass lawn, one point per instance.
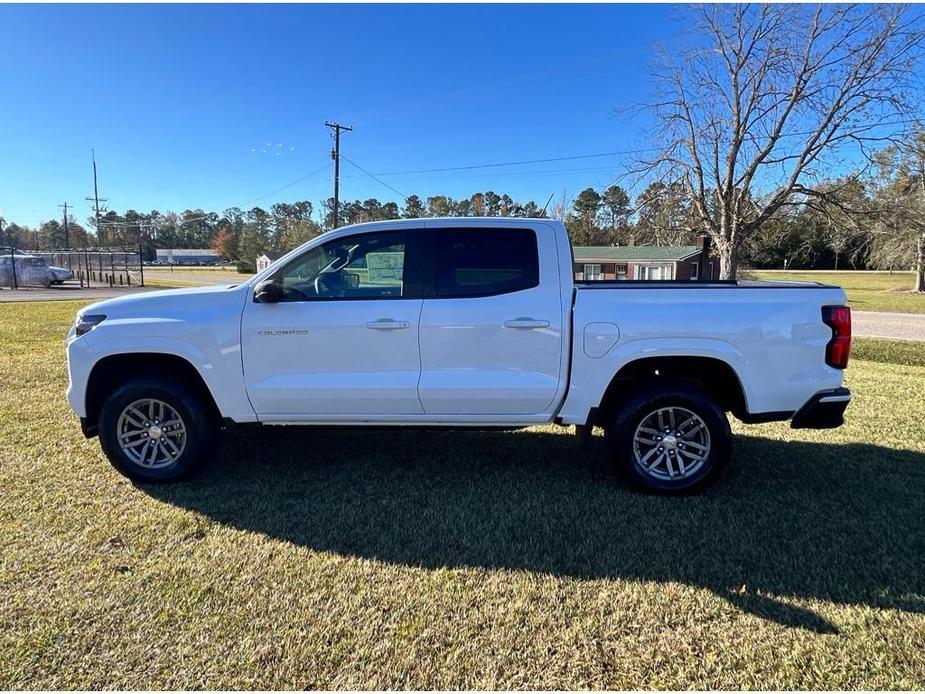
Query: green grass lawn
<point x="195" y="268"/>
<point x="340" y="559"/>
<point x="192" y="276"/>
<point x="889" y="351"/>
<point x="867" y="291"/>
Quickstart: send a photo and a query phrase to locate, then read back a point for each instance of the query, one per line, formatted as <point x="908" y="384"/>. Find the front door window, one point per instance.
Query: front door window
<point x="369" y="266"/>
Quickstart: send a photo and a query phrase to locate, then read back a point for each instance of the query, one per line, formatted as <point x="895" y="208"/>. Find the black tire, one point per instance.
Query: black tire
<point x="622" y="448"/>
<point x="197" y="419"/>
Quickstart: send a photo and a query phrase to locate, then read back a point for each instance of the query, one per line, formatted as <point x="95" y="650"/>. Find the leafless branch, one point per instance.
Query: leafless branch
<point x="766" y="98"/>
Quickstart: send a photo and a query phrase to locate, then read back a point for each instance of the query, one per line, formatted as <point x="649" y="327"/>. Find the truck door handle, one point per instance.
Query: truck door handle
<point x="526" y="323"/>
<point x="388" y="324"/>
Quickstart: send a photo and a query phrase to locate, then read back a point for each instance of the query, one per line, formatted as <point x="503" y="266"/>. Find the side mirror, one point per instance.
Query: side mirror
<point x="268" y="292"/>
<point x="351" y="280"/>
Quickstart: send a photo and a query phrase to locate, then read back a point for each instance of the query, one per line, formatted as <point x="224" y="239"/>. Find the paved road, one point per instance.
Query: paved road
<point x="67" y="292"/>
<point x="71" y="290"/>
<point x="905" y="326"/>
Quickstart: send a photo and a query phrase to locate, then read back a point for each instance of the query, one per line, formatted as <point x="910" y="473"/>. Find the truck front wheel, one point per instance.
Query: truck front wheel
<point x="154" y="430"/>
<point x="670" y="438"/>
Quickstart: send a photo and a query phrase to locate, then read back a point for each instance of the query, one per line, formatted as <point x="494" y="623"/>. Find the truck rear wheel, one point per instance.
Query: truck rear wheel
<point x="670" y="438"/>
<point x="154" y="430"/>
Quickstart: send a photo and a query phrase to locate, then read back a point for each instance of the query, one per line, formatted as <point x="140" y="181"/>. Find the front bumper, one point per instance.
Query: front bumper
<point x="825" y="410"/>
<point x="88" y="428"/>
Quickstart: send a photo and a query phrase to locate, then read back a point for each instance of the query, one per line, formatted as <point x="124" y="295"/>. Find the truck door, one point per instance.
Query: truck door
<point x="343" y="342"/>
<point x="491" y="325"/>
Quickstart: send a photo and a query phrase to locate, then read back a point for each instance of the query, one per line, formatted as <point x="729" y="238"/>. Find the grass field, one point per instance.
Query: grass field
<point x="867" y="291"/>
<point x="197" y="268"/>
<point x="192" y="276"/>
<point x="887" y="351"/>
<point x="305" y="559"/>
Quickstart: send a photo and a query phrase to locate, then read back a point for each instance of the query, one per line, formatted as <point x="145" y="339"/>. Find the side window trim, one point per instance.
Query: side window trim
<point x="429" y="273"/>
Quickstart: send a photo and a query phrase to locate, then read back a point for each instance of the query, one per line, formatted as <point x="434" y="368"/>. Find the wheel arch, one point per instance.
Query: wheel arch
<point x="716" y="377"/>
<point x="113" y="370"/>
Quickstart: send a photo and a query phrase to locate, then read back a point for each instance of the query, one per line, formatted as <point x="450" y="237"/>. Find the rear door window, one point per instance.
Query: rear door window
<point x="484" y="262"/>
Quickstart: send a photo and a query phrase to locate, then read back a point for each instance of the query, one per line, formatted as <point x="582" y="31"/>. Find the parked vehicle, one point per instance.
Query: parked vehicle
<point x="458" y="322"/>
<point x="59" y="275"/>
<point x="30" y="271"/>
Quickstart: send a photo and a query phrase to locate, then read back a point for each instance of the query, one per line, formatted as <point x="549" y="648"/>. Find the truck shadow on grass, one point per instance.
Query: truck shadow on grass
<point x="840" y="523"/>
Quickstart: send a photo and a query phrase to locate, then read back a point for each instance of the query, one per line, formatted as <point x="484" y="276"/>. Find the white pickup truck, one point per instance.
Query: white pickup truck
<point x="458" y="322"/>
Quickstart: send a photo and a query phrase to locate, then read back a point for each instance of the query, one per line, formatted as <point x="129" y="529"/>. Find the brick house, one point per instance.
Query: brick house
<point x="645" y="262"/>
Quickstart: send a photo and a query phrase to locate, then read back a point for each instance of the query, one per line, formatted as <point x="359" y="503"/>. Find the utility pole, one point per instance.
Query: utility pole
<point x="335" y="155"/>
<point x="67" y="243"/>
<point x="96" y="202"/>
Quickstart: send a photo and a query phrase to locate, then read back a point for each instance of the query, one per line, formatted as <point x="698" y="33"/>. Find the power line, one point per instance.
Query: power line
<point x="378" y="180"/>
<point x="243" y="204"/>
<point x="518" y="163"/>
<point x="288" y="185"/>
<point x="509" y="174"/>
<point x="586" y="156"/>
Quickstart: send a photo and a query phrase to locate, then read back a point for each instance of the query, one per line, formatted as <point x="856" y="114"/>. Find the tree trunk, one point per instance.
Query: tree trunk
<point x="920" y="256"/>
<point x="727" y="261"/>
<point x="920" y="266"/>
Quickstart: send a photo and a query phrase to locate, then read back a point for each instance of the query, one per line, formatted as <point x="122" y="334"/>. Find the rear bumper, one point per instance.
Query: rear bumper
<point x="825" y="410"/>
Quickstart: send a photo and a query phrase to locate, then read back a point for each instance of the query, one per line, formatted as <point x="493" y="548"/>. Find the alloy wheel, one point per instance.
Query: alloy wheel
<point x="671" y="444"/>
<point x="151" y="433"/>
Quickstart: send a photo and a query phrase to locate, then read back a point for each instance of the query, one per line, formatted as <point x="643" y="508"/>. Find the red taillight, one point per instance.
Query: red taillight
<point x="839" y="319"/>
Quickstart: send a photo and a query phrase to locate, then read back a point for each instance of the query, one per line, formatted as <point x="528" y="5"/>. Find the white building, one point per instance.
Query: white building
<point x="187" y="256"/>
<point x="264" y="260"/>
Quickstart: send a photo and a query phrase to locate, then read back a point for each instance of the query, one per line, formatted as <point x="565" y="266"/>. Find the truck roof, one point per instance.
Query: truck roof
<point x="446" y="221"/>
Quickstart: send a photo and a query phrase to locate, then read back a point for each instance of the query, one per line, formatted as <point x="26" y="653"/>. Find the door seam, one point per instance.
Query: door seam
<point x="420" y="358"/>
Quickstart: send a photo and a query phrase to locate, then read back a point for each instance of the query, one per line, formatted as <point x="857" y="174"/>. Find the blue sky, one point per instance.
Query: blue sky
<point x="215" y="105"/>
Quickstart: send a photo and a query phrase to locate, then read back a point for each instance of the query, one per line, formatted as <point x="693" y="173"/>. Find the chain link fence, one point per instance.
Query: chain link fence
<point x="89" y="267"/>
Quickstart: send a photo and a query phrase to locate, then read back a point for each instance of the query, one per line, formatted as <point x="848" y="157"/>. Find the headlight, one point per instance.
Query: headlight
<point x="85" y="324"/>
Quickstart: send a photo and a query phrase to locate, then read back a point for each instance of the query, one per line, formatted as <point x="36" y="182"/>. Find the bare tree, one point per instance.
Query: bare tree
<point x="770" y="97"/>
<point x="560" y="210"/>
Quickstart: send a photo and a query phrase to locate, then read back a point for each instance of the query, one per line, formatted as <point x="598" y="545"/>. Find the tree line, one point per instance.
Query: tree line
<point x="871" y="219"/>
<point x="241" y="235"/>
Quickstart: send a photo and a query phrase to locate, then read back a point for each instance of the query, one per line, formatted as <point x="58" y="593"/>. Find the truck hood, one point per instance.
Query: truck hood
<point x="169" y="303"/>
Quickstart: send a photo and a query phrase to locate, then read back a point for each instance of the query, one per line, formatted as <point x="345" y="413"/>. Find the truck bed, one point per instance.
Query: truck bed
<point x="774" y="340"/>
